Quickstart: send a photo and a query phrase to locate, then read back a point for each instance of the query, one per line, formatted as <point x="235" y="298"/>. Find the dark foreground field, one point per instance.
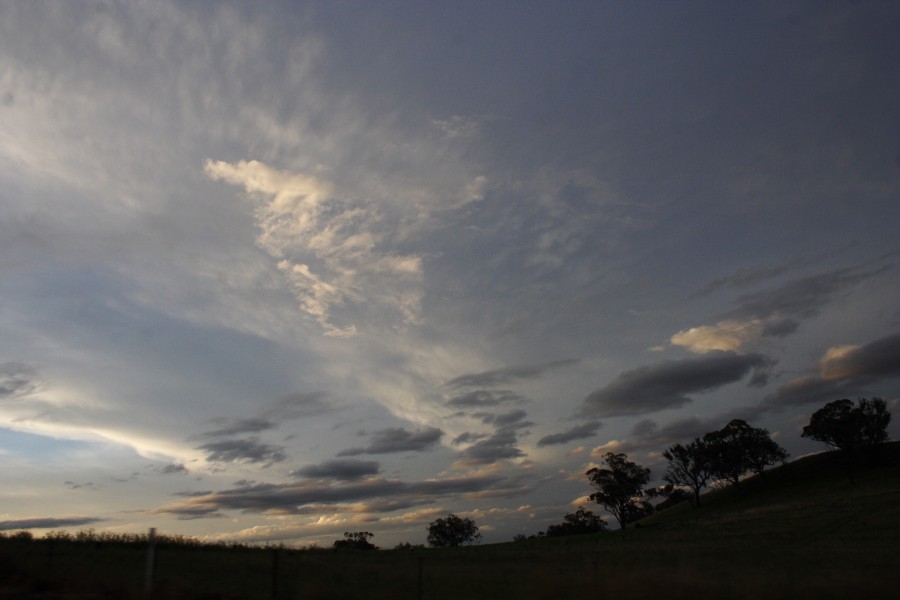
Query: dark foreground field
<point x="808" y="533"/>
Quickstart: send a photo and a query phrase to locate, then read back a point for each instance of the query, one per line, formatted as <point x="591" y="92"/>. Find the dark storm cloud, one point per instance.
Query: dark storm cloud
<point x="485" y="398"/>
<point x="579" y="432"/>
<point x="243" y="451"/>
<point x="296" y="498"/>
<point x="801" y="298"/>
<point x="341" y="469"/>
<point x="395" y="439"/>
<point x="667" y="384"/>
<point x="16" y="380"/>
<point x="849" y="374"/>
<point x="507" y="375"/>
<point x="48" y="523"/>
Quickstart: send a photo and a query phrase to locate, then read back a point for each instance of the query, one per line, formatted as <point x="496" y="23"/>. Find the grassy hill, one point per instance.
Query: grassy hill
<point x="806" y="532"/>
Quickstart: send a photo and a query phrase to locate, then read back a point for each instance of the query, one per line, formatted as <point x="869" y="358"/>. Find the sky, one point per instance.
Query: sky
<point x="270" y="272"/>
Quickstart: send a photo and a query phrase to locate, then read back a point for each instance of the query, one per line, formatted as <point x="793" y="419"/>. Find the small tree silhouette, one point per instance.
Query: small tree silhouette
<point x="453" y="531"/>
<point x="620" y="487"/>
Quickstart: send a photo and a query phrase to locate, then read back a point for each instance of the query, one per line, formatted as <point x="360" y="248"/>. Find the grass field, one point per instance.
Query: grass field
<point x="808" y="532"/>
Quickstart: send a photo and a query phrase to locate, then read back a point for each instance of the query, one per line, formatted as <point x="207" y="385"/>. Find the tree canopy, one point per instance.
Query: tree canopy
<point x="620" y="487"/>
<point x="739" y="448"/>
<point x="689" y="466"/>
<point x="850" y="428"/>
<point x="355" y="540"/>
<point x="580" y="522"/>
<point x="453" y="531"/>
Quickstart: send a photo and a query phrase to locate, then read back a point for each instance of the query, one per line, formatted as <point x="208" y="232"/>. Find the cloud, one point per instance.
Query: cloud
<point x="744" y="277"/>
<point x="241" y="426"/>
<point x="330" y="251"/>
<point x="299" y="405"/>
<point x="844" y="371"/>
<point x="395" y="439"/>
<point x="485" y="398"/>
<point x="511" y="419"/>
<point x="771" y="313"/>
<point x="667" y="384"/>
<point x="467" y="437"/>
<point x="17" y="380"/>
<point x="500" y="445"/>
<point x="801" y="298"/>
<point x="173" y="469"/>
<point x="299" y="498"/>
<point x="344" y="470"/>
<point x="579" y="432"/>
<point x="48" y="522"/>
<point x="724" y="336"/>
<point x="507" y="375"/>
<point x="243" y="451"/>
<point x="285" y="408"/>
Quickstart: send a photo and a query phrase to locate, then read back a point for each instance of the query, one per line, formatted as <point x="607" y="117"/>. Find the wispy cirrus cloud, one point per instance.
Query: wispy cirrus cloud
<point x="330" y="251"/>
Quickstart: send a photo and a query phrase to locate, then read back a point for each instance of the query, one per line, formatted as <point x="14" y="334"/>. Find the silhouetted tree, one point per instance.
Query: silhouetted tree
<point x="407" y="546"/>
<point x="690" y="466"/>
<point x="850" y="428"/>
<point x="453" y="531"/>
<point x="619" y="487"/>
<point x="355" y="540"/>
<point x="739" y="448"/>
<point x="579" y="522"/>
<point x="855" y="430"/>
<point x="763" y="451"/>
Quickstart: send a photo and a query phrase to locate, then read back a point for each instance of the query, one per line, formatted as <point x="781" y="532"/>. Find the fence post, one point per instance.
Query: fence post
<point x="151" y="563"/>
<point x="275" y="574"/>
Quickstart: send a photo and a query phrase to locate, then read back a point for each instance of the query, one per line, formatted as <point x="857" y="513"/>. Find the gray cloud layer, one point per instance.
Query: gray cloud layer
<point x="243" y="451"/>
<point x="17" y="379"/>
<point x="507" y="375"/>
<point x="485" y="398"/>
<point x="850" y="374"/>
<point x="579" y="432"/>
<point x="800" y="298"/>
<point x="341" y="469"/>
<point x="48" y="522"/>
<point x="295" y="498"/>
<point x="395" y="439"/>
<point x="667" y="384"/>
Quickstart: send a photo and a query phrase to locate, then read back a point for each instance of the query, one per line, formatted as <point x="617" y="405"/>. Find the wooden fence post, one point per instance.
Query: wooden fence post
<point x="151" y="564"/>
